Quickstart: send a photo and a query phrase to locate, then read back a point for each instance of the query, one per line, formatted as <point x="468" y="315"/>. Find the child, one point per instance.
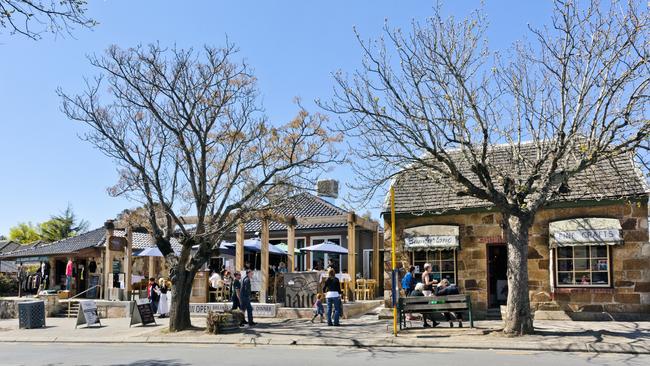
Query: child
<point x="318" y="308"/>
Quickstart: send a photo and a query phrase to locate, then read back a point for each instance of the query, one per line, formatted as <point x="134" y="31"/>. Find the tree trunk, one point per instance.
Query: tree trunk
<point x="179" y="316"/>
<point x="519" y="320"/>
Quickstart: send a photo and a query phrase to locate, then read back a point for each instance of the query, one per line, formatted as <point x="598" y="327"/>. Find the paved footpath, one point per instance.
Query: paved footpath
<point x="364" y="332"/>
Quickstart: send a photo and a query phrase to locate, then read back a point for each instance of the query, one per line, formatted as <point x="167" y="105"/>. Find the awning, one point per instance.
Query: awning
<point x="431" y="237"/>
<point x="585" y="231"/>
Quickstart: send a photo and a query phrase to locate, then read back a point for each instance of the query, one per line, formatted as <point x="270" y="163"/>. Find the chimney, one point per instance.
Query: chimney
<point x="328" y="190"/>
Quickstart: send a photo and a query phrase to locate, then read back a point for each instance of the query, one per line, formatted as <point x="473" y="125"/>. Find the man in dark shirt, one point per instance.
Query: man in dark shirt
<point x="152" y="294"/>
<point x="234" y="291"/>
<point x="245" y="297"/>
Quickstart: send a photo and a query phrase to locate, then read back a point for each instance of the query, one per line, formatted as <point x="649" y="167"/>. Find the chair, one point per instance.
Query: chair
<point x="371" y="289"/>
<point x="360" y="290"/>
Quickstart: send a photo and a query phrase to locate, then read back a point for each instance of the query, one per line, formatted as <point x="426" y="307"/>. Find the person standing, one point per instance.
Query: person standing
<point x="68" y="274"/>
<point x="153" y="294"/>
<point x="163" y="306"/>
<point x="245" y="297"/>
<point x="408" y="282"/>
<point x="332" y="290"/>
<point x="235" y="291"/>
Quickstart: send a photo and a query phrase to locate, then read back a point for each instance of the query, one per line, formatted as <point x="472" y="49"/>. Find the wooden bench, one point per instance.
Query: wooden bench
<point x="426" y="305"/>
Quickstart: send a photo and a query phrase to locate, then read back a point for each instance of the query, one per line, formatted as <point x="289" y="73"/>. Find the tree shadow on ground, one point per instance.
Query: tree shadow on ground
<point x="153" y="363"/>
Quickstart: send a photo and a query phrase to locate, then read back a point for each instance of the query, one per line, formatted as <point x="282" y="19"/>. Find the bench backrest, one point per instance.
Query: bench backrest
<point x="458" y="302"/>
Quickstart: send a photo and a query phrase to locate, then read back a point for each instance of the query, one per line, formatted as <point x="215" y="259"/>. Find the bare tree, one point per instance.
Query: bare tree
<point x="434" y="101"/>
<point x="189" y="136"/>
<point x="33" y="18"/>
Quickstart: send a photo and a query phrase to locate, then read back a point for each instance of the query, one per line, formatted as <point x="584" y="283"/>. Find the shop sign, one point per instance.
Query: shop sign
<point x="431" y="241"/>
<point x="259" y="310"/>
<point x="588" y="236"/>
<point x="117" y="243"/>
<point x="431" y="237"/>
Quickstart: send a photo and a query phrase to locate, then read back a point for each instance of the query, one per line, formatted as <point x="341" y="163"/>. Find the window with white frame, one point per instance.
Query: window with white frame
<point x="443" y="263"/>
<point x="583" y="266"/>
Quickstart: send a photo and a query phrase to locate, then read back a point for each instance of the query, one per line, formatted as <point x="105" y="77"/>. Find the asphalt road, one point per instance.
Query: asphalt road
<point x="181" y="355"/>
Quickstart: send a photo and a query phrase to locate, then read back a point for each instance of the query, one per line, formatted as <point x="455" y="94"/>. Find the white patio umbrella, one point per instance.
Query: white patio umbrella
<point x="326" y="247"/>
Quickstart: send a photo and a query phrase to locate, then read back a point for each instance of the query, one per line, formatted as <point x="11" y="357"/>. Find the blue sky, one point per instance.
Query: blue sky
<point x="294" y="46"/>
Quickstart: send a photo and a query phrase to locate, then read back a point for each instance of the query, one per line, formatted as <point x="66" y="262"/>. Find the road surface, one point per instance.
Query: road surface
<point x="182" y="355"/>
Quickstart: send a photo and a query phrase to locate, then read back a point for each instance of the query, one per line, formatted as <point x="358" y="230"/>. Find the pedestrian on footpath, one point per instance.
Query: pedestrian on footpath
<point x="245" y="297"/>
<point x="318" y="308"/>
<point x="408" y="282"/>
<point x="163" y="306"/>
<point x="153" y="294"/>
<point x="235" y="288"/>
<point x="332" y="290"/>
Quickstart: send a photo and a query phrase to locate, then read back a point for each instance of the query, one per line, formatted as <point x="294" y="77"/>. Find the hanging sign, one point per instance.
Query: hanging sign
<point x="117" y="243"/>
<point x="87" y="314"/>
<point x="142" y="313"/>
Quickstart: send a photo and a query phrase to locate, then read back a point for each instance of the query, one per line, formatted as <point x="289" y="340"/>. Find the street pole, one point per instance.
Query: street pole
<point x="393" y="258"/>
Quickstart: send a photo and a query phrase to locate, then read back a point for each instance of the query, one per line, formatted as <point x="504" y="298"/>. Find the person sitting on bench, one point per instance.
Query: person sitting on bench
<point x="444" y="288"/>
<point x="418" y="292"/>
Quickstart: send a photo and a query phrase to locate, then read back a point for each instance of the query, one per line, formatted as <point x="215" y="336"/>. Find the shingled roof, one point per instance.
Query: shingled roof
<point x="301" y="205"/>
<point x="419" y="193"/>
<point x="7" y="246"/>
<point x="90" y="239"/>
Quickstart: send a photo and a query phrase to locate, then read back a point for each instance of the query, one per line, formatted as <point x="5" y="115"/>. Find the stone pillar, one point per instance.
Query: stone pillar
<point x="352" y="252"/>
<point x="109" y="226"/>
<point x="291" y="243"/>
<point x="265" y="260"/>
<point x="239" y="248"/>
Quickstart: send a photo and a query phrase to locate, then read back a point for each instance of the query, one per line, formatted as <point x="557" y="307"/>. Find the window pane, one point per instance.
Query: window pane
<point x="581" y="264"/>
<point x="583" y="278"/>
<point x="564" y="265"/>
<point x="419" y="256"/>
<point x="447" y="266"/>
<point x="436" y="276"/>
<point x="599" y="278"/>
<point x="599" y="251"/>
<point x="599" y="265"/>
<point x="565" y="278"/>
<point x="565" y="252"/>
<point x="447" y="254"/>
<point x="581" y="252"/>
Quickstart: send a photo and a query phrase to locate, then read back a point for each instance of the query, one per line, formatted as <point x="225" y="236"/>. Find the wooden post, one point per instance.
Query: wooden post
<point x="265" y="260"/>
<point x="52" y="274"/>
<point x="107" y="261"/>
<point x="128" y="261"/>
<point x="152" y="265"/>
<point x="239" y="248"/>
<point x="352" y="252"/>
<point x="291" y="243"/>
<point x="375" y="255"/>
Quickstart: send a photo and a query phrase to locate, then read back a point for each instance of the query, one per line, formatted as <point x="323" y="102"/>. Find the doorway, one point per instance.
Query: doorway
<point x="497" y="267"/>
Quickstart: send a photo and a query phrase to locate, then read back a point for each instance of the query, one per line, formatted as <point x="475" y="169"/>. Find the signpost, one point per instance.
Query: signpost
<point x="87" y="314"/>
<point x="142" y="313"/>
<point x="393" y="258"/>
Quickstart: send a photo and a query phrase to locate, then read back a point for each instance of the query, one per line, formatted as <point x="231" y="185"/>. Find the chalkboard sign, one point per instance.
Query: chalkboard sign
<point x="142" y="313"/>
<point x="87" y="314"/>
<point x="93" y="282"/>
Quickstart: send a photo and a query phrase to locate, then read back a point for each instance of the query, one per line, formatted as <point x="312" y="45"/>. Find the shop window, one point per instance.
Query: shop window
<point x="583" y="266"/>
<point x="443" y="263"/>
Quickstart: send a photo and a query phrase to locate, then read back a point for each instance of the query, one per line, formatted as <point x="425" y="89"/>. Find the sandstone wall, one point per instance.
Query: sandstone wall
<point x="630" y="262"/>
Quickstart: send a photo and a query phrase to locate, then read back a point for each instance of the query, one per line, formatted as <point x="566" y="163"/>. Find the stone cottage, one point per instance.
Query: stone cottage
<point x="588" y="250"/>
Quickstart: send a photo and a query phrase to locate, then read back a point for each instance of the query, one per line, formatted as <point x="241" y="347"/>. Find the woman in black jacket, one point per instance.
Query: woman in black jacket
<point x="332" y="291"/>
